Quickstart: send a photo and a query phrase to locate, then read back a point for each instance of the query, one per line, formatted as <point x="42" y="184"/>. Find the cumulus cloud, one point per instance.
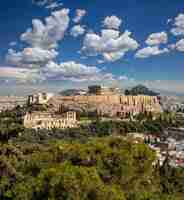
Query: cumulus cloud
<point x="20" y="74"/>
<point x="40" y="2"/>
<point x="172" y="46"/>
<point x="42" y="39"/>
<point x="180" y="45"/>
<point x="70" y="70"/>
<point x="178" y="25"/>
<point x="47" y="35"/>
<point x="157" y="39"/>
<point x="49" y="4"/>
<point x="123" y="78"/>
<point x="113" y="56"/>
<point x="37" y="60"/>
<point x="174" y="86"/>
<point x="75" y="72"/>
<point x="79" y="15"/>
<point x="13" y="43"/>
<point x="110" y="44"/>
<point x="112" y="22"/>
<point x="54" y="5"/>
<point x="31" y="56"/>
<point x="77" y="30"/>
<point x="150" y="51"/>
<point x="169" y="21"/>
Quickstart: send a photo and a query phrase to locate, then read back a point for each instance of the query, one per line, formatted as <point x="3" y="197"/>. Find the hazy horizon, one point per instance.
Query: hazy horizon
<point x="22" y="90"/>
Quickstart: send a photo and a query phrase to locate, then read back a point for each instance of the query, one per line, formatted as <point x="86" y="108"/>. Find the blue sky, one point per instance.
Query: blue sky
<point x="85" y="42"/>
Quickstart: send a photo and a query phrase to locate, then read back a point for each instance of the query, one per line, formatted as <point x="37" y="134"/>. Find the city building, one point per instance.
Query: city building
<point x="101" y="90"/>
<point x="10" y="102"/>
<point x="39" y="98"/>
<point x="47" y="120"/>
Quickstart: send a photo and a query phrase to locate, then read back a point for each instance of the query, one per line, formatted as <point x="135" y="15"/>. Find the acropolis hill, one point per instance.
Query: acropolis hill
<point x="106" y="101"/>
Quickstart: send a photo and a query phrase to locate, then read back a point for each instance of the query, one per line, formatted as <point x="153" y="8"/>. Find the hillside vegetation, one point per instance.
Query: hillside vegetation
<point x="141" y="90"/>
<point x="107" y="168"/>
<point x="93" y="162"/>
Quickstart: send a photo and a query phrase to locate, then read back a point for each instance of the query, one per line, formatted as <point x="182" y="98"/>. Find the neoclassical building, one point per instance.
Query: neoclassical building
<point x="47" y="120"/>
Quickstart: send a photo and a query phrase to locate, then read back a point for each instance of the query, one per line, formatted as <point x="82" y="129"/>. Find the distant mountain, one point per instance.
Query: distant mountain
<point x="72" y="92"/>
<point x="140" y="90"/>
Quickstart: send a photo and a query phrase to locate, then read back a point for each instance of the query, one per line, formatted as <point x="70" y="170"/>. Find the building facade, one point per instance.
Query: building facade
<point x="10" y="102"/>
<point x="47" y="120"/>
<point x="101" y="90"/>
<point x="39" y="98"/>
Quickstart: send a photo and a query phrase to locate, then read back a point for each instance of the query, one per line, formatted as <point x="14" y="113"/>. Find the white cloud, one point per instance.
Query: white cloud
<point x="175" y="86"/>
<point x="20" y="74"/>
<point x="123" y="78"/>
<point x="54" y="5"/>
<point x="49" y="4"/>
<point x="180" y="45"/>
<point x="42" y="40"/>
<point x="75" y="72"/>
<point x="47" y="35"/>
<point x="113" y="56"/>
<point x="112" y="22"/>
<point x="169" y="21"/>
<point x="157" y="38"/>
<point x="69" y="69"/>
<point x="31" y="56"/>
<point x="150" y="51"/>
<point x="110" y="44"/>
<point x="179" y="25"/>
<point x="40" y="2"/>
<point x="172" y="46"/>
<point x="13" y="43"/>
<point x="36" y="62"/>
<point x="77" y="30"/>
<point x="100" y="61"/>
<point x="79" y="15"/>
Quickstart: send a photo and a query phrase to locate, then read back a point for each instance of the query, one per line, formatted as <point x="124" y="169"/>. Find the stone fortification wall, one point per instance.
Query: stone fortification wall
<point x="136" y="100"/>
<point x="114" y="99"/>
<point x="109" y="104"/>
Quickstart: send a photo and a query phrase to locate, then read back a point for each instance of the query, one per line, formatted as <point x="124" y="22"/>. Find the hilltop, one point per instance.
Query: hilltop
<point x="140" y="90"/>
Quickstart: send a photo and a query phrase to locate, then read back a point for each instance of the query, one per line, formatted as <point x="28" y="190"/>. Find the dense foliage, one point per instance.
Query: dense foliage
<point x="140" y="90"/>
<point x="106" y="168"/>
<point x="94" y="161"/>
<point x="144" y="123"/>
